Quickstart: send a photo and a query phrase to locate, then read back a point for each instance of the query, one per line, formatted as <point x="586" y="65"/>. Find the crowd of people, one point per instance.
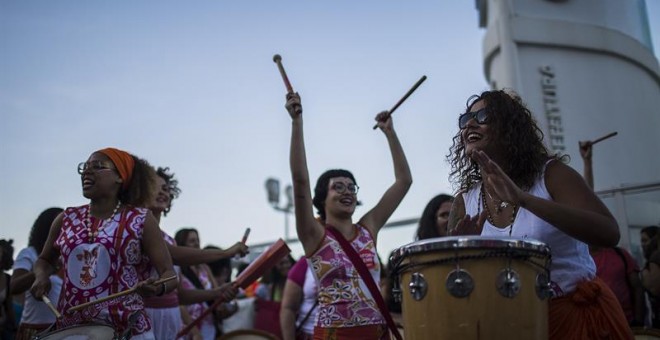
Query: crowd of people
<point x="109" y="262"/>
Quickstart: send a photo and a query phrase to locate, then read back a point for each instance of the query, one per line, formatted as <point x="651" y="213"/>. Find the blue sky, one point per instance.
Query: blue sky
<point x="194" y="87"/>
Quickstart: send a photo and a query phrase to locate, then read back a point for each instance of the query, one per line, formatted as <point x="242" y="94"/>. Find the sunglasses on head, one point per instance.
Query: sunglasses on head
<point x="481" y="116"/>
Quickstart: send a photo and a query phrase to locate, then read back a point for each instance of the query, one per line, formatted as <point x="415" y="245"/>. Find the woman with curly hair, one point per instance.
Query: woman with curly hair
<point x="435" y="218"/>
<point x="106" y="246"/>
<point x="512" y="186"/>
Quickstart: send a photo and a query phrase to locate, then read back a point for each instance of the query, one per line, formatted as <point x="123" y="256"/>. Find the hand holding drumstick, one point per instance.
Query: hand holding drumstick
<point x="586" y="151"/>
<point x="147" y="287"/>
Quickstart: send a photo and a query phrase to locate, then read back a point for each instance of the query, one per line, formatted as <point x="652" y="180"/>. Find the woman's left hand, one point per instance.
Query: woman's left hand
<point x="146" y="288"/>
<point x="502" y="187"/>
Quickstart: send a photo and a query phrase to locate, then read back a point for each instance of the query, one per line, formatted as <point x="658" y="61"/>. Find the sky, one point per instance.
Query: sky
<point x="192" y="86"/>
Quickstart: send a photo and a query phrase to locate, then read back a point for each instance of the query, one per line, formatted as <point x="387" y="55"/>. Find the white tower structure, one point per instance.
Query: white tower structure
<point x="586" y="68"/>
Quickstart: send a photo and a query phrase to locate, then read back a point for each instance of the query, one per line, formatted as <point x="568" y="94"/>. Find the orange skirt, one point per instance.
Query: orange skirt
<point x="370" y="332"/>
<point x="591" y="312"/>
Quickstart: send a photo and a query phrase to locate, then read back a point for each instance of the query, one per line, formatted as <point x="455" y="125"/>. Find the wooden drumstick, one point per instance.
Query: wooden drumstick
<point x="116" y="295"/>
<point x="609" y="135"/>
<point x="245" y="236"/>
<point x="51" y="306"/>
<point x="419" y="82"/>
<point x="278" y="60"/>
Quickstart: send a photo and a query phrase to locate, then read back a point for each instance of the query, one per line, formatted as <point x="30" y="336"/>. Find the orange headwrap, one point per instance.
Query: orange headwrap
<point x="124" y="163"/>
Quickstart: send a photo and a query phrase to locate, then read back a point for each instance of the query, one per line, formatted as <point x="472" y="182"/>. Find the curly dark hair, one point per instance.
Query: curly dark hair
<point x="7" y="254"/>
<point x="321" y="188"/>
<point x="515" y="130"/>
<point x="41" y="228"/>
<point x="428" y="222"/>
<point x="143" y="186"/>
<point x="172" y="185"/>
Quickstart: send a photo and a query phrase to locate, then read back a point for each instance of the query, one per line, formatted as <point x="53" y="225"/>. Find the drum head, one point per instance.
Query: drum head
<point x="248" y="334"/>
<point x="81" y="332"/>
<point x="468" y="242"/>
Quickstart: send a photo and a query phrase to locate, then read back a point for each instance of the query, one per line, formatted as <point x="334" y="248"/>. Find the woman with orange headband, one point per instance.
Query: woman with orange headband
<point x="104" y="246"/>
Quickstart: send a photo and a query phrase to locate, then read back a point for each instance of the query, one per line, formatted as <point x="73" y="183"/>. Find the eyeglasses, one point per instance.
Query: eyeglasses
<point x="481" y="116"/>
<point x="94" y="166"/>
<point x="341" y="187"/>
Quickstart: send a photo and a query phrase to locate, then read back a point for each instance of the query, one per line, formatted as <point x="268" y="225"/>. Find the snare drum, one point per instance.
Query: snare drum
<point x="473" y="287"/>
<point x="93" y="331"/>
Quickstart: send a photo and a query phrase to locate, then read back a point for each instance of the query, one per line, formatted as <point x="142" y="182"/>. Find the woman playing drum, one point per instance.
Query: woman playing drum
<point x="346" y="308"/>
<point x="512" y="186"/>
<point x="102" y="246"/>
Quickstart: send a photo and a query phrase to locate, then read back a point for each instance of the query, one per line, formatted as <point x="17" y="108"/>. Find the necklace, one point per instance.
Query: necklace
<point x="91" y="234"/>
<point x="501" y="205"/>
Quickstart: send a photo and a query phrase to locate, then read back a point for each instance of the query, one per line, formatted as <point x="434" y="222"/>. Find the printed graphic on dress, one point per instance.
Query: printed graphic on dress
<point x="88" y="265"/>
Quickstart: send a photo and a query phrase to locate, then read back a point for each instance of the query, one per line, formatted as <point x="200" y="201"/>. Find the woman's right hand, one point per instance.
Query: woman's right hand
<point x="40" y="287"/>
<point x="469" y="225"/>
<point x="293" y="105"/>
<point x="239" y="248"/>
<point x="227" y="291"/>
<point x="586" y="150"/>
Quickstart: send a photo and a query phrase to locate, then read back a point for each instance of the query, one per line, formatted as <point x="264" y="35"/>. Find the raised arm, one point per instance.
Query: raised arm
<point x="310" y="231"/>
<point x="378" y="215"/>
<point x="45" y="265"/>
<point x="586" y="151"/>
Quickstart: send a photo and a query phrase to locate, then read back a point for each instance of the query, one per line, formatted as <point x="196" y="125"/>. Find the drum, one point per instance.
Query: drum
<point x="248" y="334"/>
<point x="80" y="332"/>
<point x="646" y="333"/>
<point x="473" y="287"/>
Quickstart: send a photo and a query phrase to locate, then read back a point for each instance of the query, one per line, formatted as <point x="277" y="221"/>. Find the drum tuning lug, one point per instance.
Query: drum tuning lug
<point x="508" y="283"/>
<point x="459" y="283"/>
<point x="543" y="286"/>
<point x="418" y="286"/>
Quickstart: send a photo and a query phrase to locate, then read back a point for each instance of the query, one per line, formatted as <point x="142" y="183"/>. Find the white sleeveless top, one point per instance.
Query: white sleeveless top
<point x="571" y="262"/>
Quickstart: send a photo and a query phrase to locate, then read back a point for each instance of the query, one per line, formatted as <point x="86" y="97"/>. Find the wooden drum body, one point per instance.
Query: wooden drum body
<point x="473" y="288"/>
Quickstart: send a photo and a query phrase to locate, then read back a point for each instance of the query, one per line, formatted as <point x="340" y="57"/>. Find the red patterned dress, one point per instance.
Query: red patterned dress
<point x="112" y="262"/>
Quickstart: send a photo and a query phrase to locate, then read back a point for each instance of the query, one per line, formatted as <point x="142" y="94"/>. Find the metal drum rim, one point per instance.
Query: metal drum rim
<point x="469" y="242"/>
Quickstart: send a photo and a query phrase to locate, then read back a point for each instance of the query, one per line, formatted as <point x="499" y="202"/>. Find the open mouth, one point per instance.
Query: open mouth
<point x="346" y="201"/>
<point x="473" y="137"/>
<point x="87" y="183"/>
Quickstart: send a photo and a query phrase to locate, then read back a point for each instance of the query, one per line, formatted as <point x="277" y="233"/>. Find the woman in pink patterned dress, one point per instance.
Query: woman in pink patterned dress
<point x="103" y="246"/>
<point x="346" y="307"/>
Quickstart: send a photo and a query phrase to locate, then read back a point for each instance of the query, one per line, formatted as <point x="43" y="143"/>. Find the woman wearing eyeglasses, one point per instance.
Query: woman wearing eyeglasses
<point x="346" y="307"/>
<point x="510" y="185"/>
<point x="103" y="246"/>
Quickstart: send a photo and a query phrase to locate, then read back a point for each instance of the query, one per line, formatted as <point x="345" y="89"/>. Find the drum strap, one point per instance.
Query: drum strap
<point x="366" y="277"/>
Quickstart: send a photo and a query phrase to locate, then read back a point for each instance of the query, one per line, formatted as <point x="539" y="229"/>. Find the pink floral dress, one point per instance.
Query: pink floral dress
<point x="113" y="262"/>
<point x="344" y="299"/>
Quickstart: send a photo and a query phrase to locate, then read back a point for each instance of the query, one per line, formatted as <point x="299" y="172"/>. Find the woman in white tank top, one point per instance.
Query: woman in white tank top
<point x="510" y="185"/>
